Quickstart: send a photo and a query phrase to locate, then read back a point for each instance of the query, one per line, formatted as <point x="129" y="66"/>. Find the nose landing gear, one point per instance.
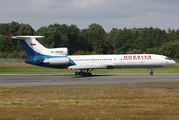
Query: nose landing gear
<point x="151" y="73"/>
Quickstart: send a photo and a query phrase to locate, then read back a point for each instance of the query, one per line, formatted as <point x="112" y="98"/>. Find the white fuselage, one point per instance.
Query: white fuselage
<point x="123" y="61"/>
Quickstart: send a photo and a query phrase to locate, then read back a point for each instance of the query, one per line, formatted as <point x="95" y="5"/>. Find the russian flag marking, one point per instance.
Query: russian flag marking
<point x="33" y="44"/>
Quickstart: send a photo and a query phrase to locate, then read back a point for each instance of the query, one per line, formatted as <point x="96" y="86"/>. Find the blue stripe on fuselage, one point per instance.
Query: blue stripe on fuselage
<point x="35" y="58"/>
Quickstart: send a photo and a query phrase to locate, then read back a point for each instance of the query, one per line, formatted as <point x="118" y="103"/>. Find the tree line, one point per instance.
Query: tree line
<point x="92" y="40"/>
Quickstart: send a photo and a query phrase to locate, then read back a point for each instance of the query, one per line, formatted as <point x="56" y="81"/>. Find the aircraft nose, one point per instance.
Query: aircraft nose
<point x="173" y="62"/>
<point x="169" y="63"/>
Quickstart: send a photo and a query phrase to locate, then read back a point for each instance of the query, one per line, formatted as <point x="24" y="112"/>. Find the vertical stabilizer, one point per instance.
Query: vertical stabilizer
<point x="31" y="45"/>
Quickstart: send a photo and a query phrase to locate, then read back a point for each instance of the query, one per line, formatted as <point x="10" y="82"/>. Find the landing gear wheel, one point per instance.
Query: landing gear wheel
<point x="84" y="72"/>
<point x="79" y="73"/>
<point x="151" y="73"/>
<point x="89" y="74"/>
<point x="76" y="73"/>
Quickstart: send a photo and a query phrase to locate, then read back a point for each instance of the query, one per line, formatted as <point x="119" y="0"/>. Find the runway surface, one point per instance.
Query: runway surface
<point x="70" y="79"/>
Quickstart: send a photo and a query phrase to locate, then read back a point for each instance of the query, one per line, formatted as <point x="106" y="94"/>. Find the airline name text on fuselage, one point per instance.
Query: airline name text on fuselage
<point x="134" y="57"/>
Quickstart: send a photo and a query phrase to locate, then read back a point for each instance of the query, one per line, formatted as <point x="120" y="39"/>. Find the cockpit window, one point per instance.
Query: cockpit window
<point x="167" y="58"/>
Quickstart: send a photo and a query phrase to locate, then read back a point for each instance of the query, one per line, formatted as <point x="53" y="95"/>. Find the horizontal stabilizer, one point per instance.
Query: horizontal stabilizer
<point x="25" y="37"/>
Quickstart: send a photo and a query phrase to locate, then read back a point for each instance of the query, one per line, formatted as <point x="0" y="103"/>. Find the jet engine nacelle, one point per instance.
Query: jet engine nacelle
<point x="57" y="61"/>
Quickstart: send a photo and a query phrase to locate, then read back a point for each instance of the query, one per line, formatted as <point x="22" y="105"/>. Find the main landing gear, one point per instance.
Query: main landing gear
<point x="84" y="72"/>
<point x="151" y="73"/>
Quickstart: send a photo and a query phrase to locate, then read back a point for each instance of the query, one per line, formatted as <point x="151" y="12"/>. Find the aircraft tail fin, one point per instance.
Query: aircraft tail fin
<point x="30" y="44"/>
<point x="34" y="48"/>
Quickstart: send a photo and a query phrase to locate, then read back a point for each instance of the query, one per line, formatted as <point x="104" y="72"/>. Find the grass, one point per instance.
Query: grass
<point x="22" y="68"/>
<point x="150" y="101"/>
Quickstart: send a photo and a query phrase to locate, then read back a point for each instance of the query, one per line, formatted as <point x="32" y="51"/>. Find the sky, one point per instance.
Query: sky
<point x="163" y="14"/>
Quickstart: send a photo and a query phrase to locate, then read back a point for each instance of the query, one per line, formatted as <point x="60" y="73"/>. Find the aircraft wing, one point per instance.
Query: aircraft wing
<point x="96" y="66"/>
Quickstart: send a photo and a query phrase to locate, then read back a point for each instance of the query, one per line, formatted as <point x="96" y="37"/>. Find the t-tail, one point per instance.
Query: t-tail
<point x="39" y="55"/>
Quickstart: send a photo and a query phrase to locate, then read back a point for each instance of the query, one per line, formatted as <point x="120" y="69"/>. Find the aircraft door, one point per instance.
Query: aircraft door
<point x="121" y="60"/>
<point x="93" y="60"/>
<point x="143" y="60"/>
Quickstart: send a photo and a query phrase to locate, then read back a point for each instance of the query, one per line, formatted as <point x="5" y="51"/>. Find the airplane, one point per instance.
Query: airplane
<point x="57" y="58"/>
